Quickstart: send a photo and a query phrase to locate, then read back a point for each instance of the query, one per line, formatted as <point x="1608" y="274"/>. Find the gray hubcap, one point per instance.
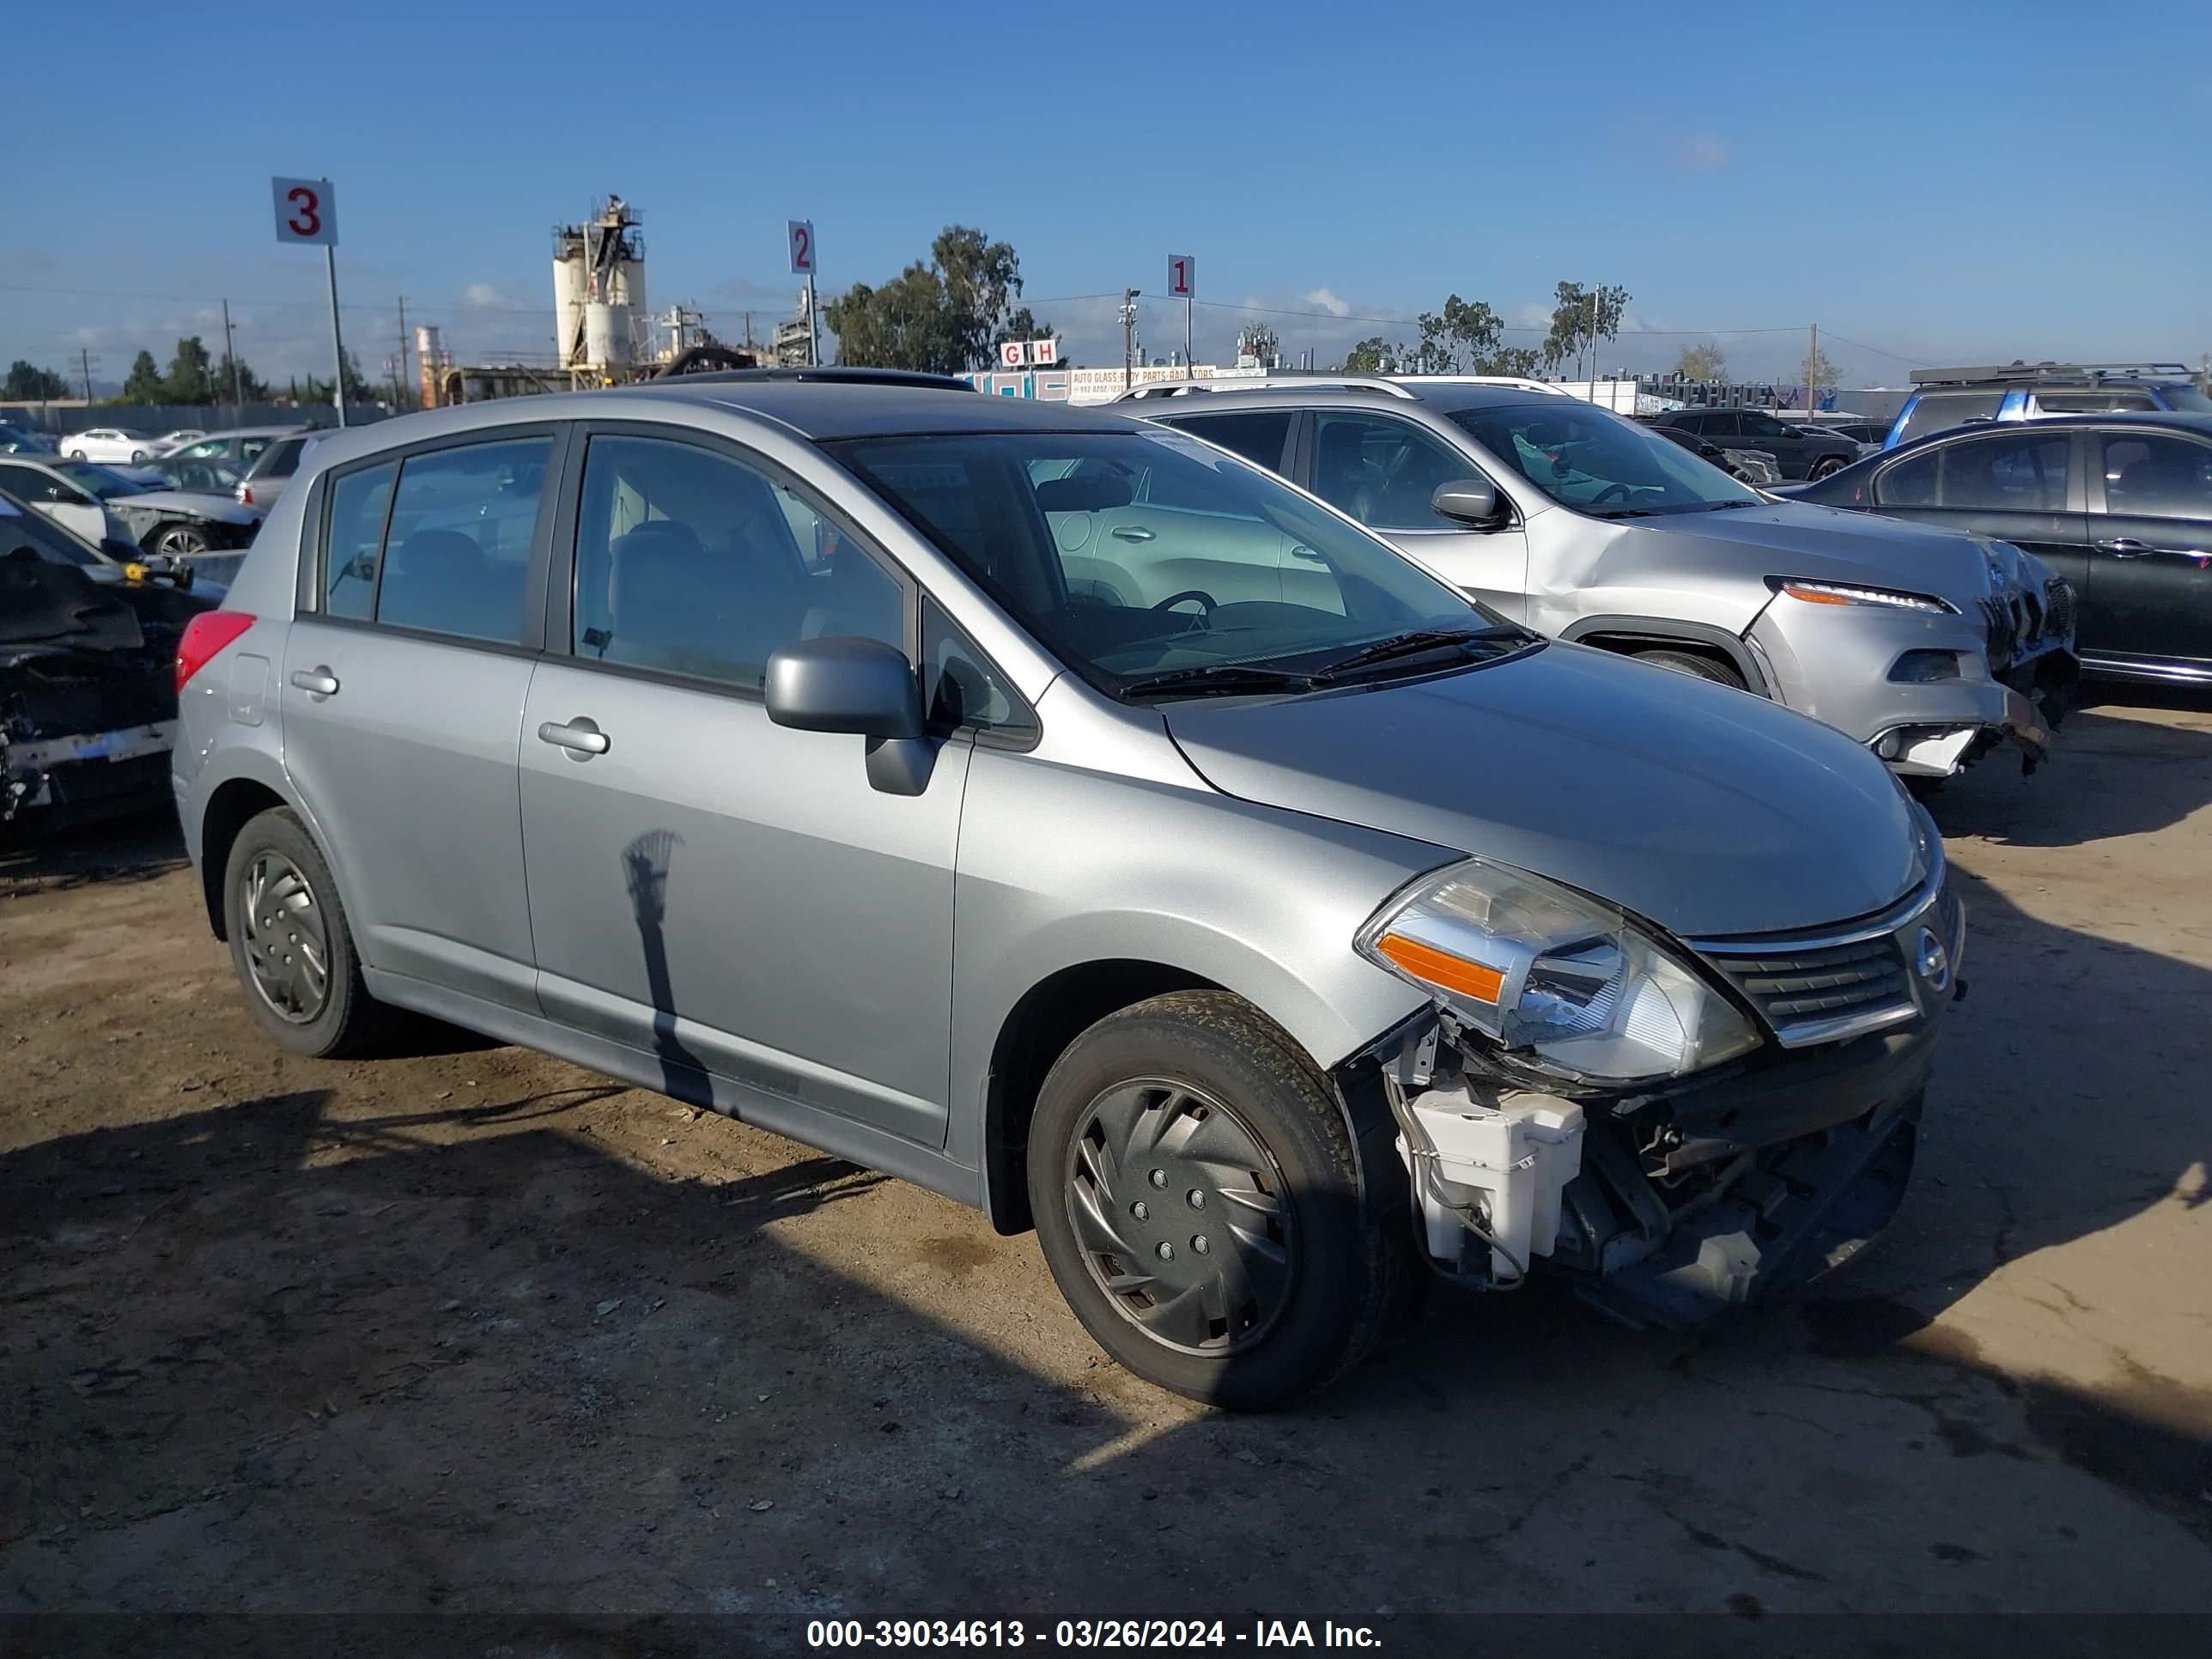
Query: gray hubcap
<point x="1182" y="1216"/>
<point x="182" y="541"/>
<point x="286" y="947"/>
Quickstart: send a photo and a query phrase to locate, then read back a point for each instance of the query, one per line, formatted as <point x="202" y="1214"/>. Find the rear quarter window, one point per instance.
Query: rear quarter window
<point x="1938" y="411"/>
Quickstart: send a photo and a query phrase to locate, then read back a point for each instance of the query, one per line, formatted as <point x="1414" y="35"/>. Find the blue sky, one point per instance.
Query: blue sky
<point x="1941" y="181"/>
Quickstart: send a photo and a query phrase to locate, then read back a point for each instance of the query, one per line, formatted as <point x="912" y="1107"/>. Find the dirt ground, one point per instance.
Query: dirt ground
<point x="476" y="1333"/>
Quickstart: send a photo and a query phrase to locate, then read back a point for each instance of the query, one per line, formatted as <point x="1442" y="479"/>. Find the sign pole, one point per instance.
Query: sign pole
<point x="813" y="325"/>
<point x="337" y="346"/>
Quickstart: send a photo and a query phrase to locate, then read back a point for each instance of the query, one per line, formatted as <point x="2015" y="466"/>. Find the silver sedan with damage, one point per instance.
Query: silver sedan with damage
<point x="1065" y="815"/>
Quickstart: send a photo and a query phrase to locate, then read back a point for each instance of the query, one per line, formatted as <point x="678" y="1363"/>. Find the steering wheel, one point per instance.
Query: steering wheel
<point x="1608" y="493"/>
<point x="1203" y="598"/>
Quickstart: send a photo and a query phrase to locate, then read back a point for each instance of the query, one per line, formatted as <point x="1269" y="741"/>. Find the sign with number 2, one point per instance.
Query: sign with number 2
<point x="802" y="247"/>
<point x="306" y="211"/>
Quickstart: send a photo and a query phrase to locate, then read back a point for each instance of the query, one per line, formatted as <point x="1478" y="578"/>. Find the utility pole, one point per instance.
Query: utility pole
<point x="1812" y="356"/>
<point x="407" y="377"/>
<point x="230" y="356"/>
<point x="84" y="362"/>
<point x="1128" y="337"/>
<point x="1593" y="344"/>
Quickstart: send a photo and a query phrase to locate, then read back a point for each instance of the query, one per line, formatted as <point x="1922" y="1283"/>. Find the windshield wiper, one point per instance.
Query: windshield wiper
<point x="1218" y="679"/>
<point x="1721" y="507"/>
<point x="1418" y="643"/>
<point x="1624" y="513"/>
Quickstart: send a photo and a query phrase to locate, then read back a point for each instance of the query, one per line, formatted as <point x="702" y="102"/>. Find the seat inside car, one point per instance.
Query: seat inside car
<point x="1342" y="473"/>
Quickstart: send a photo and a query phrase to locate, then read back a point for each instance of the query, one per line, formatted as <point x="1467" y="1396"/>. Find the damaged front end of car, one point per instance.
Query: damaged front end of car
<point x="1678" y="1127"/>
<point x="88" y="696"/>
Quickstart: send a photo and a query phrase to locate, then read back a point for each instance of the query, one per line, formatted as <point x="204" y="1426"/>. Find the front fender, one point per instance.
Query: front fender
<point x="1059" y="868"/>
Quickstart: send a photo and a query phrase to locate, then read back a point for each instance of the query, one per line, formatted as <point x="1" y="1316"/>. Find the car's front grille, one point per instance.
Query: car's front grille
<point x="1840" y="982"/>
<point x="2058" y="592"/>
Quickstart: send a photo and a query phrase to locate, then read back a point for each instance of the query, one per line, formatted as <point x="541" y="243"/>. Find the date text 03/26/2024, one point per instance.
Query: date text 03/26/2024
<point x="1086" y="1633"/>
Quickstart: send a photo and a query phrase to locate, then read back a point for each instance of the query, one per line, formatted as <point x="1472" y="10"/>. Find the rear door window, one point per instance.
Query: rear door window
<point x="284" y="460"/>
<point x="1258" y="434"/>
<point x="447" y="550"/>
<point x="2017" y="472"/>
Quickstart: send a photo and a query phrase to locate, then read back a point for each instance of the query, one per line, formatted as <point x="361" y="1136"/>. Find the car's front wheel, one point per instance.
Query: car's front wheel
<point x="291" y="944"/>
<point x="76" y="454"/>
<point x="181" y="541"/>
<point x="1200" y="1200"/>
<point x="1827" y="464"/>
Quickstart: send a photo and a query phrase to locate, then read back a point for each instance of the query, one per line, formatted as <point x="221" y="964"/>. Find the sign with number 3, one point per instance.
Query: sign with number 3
<point x="306" y="211"/>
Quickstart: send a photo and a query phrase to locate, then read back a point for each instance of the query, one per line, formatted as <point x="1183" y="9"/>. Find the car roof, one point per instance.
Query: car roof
<point x="2200" y="425"/>
<point x="811" y="410"/>
<point x="1445" y="396"/>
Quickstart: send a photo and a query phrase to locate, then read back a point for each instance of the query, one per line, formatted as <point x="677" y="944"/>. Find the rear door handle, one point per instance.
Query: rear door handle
<point x="2126" y="547"/>
<point x="1133" y="533"/>
<point x="579" y="737"/>
<point x="317" y="681"/>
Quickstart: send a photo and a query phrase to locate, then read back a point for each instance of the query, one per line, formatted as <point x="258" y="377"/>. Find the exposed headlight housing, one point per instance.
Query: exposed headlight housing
<point x="1813" y="592"/>
<point x="1545" y="972"/>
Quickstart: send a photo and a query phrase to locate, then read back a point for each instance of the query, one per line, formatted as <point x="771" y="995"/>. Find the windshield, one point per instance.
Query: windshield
<point x="45" y="539"/>
<point x="98" y="481"/>
<point x="1586" y="459"/>
<point x="2185" y="398"/>
<point x="1148" y="556"/>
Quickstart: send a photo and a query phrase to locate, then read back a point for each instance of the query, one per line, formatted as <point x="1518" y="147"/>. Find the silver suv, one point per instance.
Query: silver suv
<point x="1062" y="814"/>
<point x="1928" y="646"/>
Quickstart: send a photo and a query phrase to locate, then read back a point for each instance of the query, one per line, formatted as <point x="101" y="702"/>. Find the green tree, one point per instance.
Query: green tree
<point x="1583" y="317"/>
<point x="1825" y="377"/>
<point x="251" y="388"/>
<point x="945" y="316"/>
<point x="27" y="383"/>
<point x="190" y="379"/>
<point x="311" y="391"/>
<point x="145" y="384"/>
<point x="1465" y="337"/>
<point x="1373" y="356"/>
<point x="1701" y="363"/>
<point x="1019" y="326"/>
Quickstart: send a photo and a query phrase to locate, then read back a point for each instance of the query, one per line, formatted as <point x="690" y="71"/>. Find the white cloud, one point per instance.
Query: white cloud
<point x="482" y="293"/>
<point x="1329" y="302"/>
<point x="1532" y="315"/>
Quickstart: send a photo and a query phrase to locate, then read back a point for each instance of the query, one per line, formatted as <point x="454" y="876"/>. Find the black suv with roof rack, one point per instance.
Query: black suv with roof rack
<point x="1945" y="398"/>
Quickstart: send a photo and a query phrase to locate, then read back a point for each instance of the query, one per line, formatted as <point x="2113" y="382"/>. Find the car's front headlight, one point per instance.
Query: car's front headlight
<point x="1542" y="969"/>
<point x="1813" y="592"/>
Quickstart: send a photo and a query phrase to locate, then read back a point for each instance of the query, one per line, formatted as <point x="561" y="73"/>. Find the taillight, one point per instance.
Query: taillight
<point x="245" y="493"/>
<point x="205" y="636"/>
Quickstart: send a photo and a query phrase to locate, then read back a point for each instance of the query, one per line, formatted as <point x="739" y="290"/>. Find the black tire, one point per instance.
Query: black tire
<point x="1688" y="662"/>
<point x="180" y="541"/>
<point x="76" y="454"/>
<point x="136" y="456"/>
<point x="1826" y="465"/>
<point x="347" y="1020"/>
<point x="1346" y="1251"/>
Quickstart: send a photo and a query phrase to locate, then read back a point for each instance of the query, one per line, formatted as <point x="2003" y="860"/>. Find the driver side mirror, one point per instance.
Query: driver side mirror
<point x="858" y="686"/>
<point x="1466" y="500"/>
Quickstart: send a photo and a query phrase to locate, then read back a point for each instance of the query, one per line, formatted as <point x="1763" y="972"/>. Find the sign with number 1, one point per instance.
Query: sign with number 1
<point x="306" y="211"/>
<point x="1182" y="276"/>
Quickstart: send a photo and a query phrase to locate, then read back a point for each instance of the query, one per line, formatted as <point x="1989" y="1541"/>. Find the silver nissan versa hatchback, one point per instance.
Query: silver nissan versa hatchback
<point x="1199" y="883"/>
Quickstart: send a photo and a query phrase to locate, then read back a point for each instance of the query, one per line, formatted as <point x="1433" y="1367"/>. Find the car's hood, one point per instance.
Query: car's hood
<point x="1796" y="538"/>
<point x="196" y="503"/>
<point x="1707" y="810"/>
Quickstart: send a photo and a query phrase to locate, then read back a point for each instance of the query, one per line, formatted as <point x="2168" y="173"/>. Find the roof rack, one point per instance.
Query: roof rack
<point x="1381" y="383"/>
<point x="2050" y="371"/>
<point x="826" y="375"/>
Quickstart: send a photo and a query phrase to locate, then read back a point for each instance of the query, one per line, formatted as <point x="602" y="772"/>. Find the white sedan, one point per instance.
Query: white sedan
<point x="109" y="443"/>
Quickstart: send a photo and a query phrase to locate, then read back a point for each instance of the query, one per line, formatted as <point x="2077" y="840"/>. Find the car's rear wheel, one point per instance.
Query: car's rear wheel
<point x="1689" y="662"/>
<point x="1199" y="1199"/>
<point x="181" y="541"/>
<point x="1827" y="464"/>
<point x="136" y="456"/>
<point x="290" y="942"/>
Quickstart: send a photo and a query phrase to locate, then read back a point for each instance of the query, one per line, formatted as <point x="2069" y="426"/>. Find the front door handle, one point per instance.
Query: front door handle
<point x="2125" y="547"/>
<point x="317" y="681"/>
<point x="1301" y="551"/>
<point x="579" y="737"/>
<point x="1133" y="533"/>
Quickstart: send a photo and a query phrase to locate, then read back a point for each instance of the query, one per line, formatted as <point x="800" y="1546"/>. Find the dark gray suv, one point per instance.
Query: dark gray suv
<point x="1801" y="451"/>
